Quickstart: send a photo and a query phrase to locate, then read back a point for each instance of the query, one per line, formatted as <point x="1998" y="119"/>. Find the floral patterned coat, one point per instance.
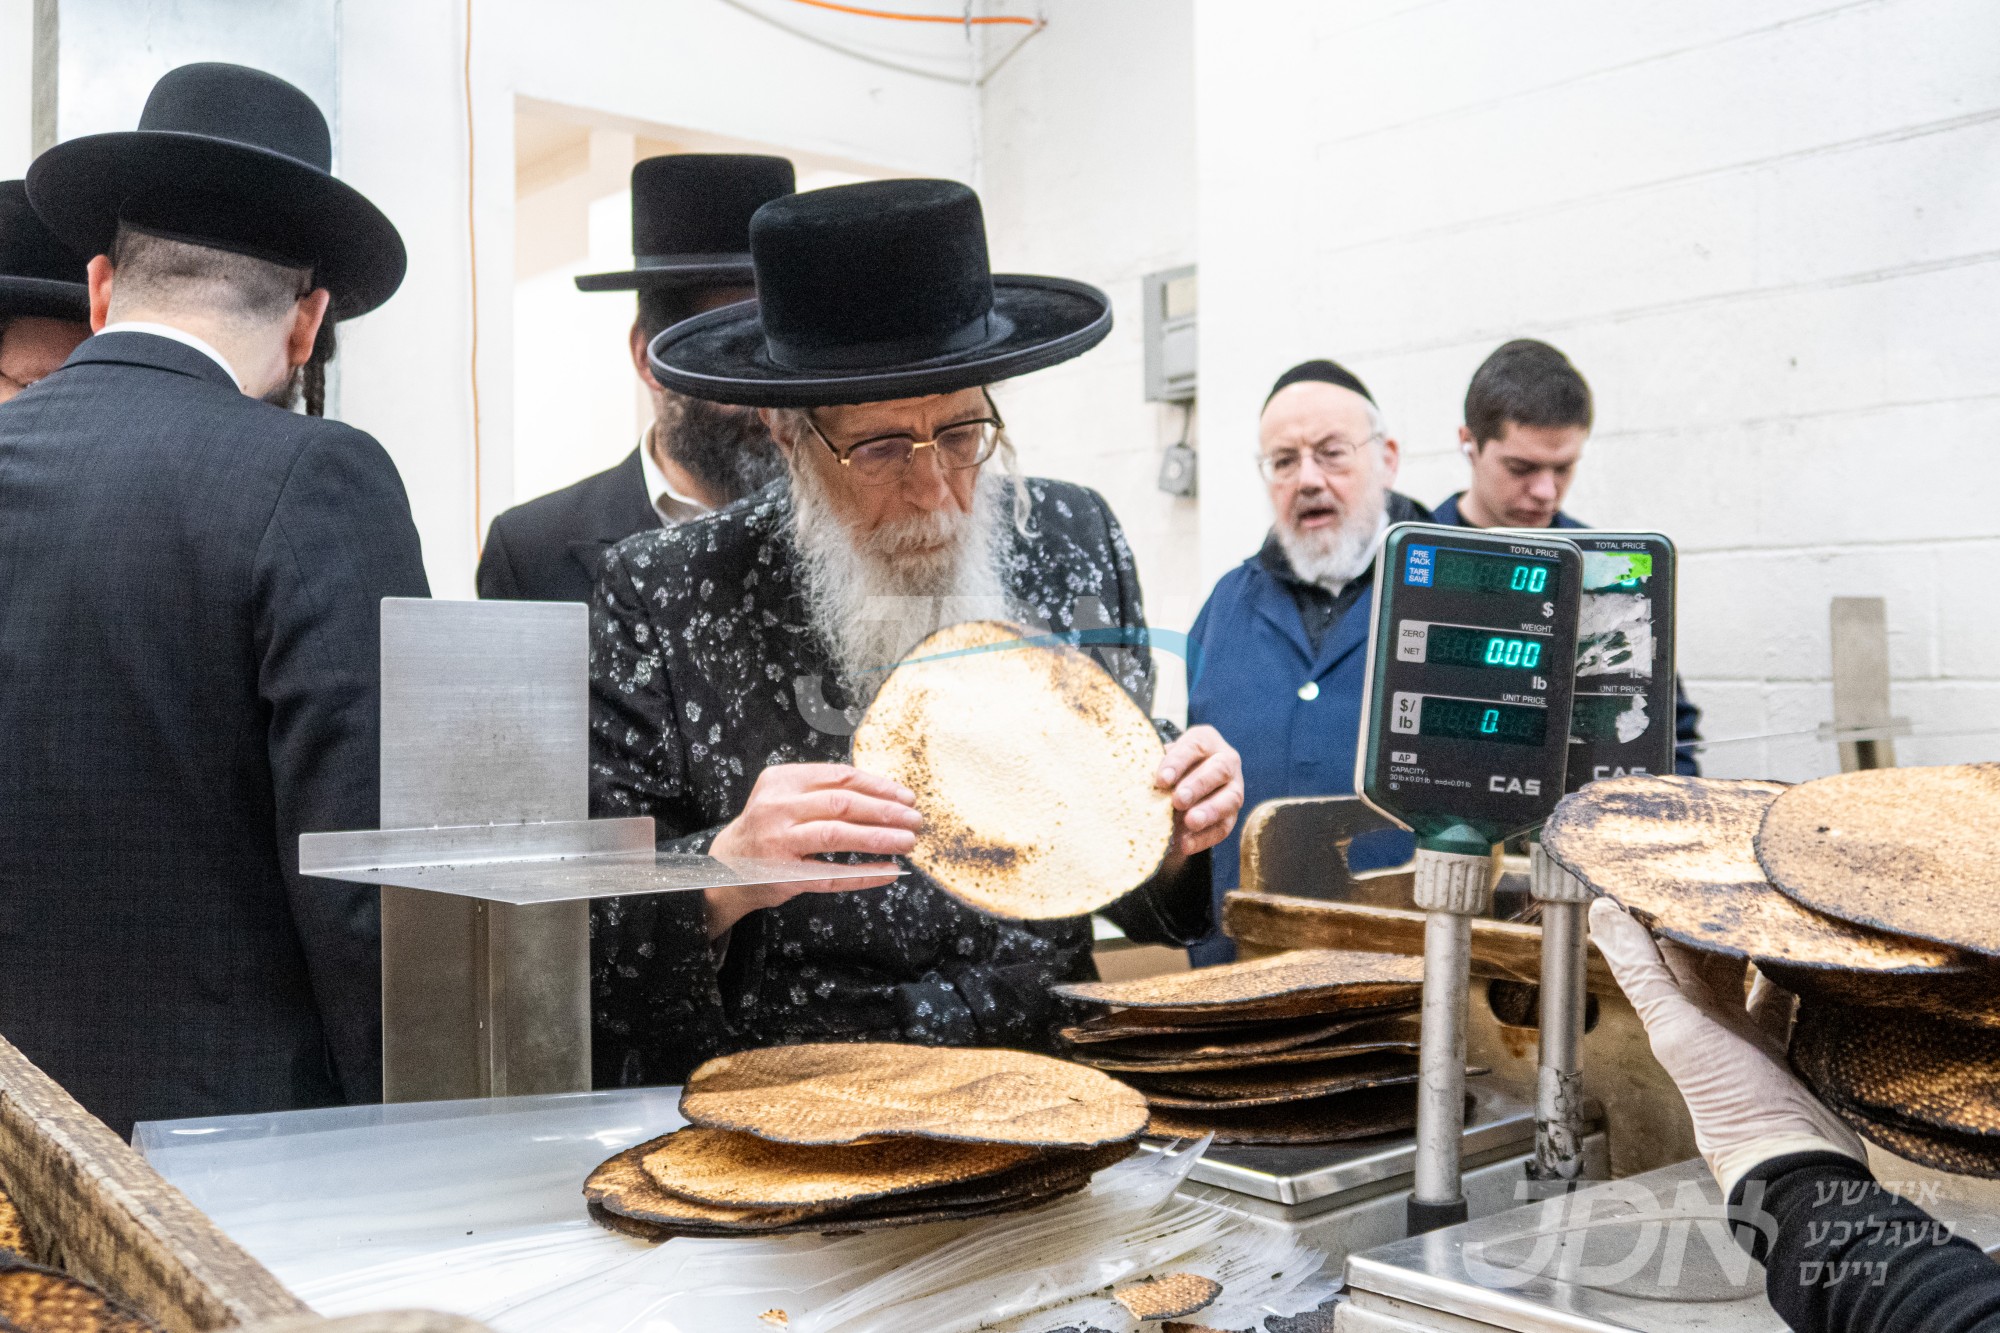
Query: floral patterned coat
<point x="704" y="671"/>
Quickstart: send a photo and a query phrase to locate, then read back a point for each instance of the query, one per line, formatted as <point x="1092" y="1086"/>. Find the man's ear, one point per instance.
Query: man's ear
<point x="99" y="271"/>
<point x="773" y="419"/>
<point x="637" y="341"/>
<point x="1466" y="444"/>
<point x="307" y="316"/>
<point x="1392" y="457"/>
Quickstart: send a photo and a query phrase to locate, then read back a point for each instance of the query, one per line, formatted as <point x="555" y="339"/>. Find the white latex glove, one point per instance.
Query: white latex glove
<point x="1724" y="1056"/>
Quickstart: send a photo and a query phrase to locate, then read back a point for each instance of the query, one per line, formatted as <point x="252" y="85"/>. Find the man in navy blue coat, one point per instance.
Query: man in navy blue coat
<point x="190" y="584"/>
<point x="1528" y="413"/>
<point x="1279" y="651"/>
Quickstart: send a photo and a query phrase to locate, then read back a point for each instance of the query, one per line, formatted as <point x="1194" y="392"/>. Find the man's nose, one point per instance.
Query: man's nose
<point x="1542" y="485"/>
<point x="924" y="482"/>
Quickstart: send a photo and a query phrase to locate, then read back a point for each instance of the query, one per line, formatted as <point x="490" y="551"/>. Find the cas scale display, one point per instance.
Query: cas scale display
<point x="1470" y="682"/>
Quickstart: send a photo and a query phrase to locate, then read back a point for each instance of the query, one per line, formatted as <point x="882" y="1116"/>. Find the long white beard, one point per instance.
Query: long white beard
<point x="1334" y="557"/>
<point x="874" y="596"/>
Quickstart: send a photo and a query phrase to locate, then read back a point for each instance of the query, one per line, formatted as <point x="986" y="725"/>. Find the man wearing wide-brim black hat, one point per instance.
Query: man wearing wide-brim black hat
<point x="44" y="295"/>
<point x="691" y="243"/>
<point x="732" y="654"/>
<point x="190" y="584"/>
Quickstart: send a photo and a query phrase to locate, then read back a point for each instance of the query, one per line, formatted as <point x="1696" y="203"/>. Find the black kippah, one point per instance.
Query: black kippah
<point x="1326" y="372"/>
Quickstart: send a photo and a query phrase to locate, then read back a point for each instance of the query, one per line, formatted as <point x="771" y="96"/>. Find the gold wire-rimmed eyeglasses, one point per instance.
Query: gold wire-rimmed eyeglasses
<point x="882" y="459"/>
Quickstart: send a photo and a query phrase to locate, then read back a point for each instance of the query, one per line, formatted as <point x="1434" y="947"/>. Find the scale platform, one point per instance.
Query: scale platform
<point x="1648" y="1253"/>
<point x="1348" y="1197"/>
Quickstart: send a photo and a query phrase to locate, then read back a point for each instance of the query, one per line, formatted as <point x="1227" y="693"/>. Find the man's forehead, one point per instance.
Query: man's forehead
<point x="1311" y="410"/>
<point x="894" y="413"/>
<point x="1547" y="445"/>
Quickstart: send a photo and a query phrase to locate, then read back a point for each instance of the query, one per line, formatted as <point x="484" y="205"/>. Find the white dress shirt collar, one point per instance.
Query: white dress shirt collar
<point x="668" y="503"/>
<point x="181" y="336"/>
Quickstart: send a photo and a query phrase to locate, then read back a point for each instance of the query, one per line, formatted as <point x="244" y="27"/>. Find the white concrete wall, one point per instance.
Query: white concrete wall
<point x="17" y="65"/>
<point x="1087" y="171"/>
<point x="1764" y="233"/>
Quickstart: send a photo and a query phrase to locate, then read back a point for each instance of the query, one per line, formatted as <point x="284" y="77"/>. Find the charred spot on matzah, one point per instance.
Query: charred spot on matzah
<point x="1033" y="769"/>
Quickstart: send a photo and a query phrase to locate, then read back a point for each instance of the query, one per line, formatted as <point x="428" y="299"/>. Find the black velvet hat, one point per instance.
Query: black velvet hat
<point x="691" y="219"/>
<point x="876" y="291"/>
<point x="39" y="275"/>
<point x="232" y="158"/>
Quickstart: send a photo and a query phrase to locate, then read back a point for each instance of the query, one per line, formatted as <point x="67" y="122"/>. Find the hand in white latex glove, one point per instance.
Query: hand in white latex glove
<point x="1726" y="1057"/>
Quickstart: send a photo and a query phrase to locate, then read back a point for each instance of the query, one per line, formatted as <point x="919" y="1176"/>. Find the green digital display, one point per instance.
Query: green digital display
<point x="1476" y="720"/>
<point x="1456" y="645"/>
<point x="1457" y="570"/>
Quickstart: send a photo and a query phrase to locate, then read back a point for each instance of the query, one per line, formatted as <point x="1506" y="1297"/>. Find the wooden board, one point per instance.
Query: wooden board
<point x="1501" y="950"/>
<point x="95" y="1209"/>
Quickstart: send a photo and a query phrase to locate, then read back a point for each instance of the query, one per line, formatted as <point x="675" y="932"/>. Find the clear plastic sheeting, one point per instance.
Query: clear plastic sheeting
<point x="475" y="1207"/>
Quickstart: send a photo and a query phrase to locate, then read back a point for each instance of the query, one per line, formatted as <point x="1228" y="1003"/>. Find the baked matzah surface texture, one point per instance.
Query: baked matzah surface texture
<point x="1680" y="852"/>
<point x="1914" y="851"/>
<point x="841" y="1092"/>
<point x="1033" y="769"/>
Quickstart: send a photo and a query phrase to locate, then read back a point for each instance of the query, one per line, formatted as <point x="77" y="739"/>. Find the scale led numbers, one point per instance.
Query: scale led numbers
<point x="1470" y="675"/>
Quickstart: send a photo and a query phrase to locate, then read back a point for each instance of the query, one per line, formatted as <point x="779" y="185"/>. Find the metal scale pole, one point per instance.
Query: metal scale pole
<point x="1559" y="1122"/>
<point x="1455" y="875"/>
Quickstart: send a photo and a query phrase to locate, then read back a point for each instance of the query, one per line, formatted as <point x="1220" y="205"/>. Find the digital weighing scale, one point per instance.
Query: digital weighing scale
<point x="1467" y="708"/>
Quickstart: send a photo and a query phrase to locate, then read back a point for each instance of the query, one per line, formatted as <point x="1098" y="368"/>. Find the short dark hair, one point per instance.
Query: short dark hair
<point x="664" y="306"/>
<point x="1529" y="383"/>
<point x="165" y="271"/>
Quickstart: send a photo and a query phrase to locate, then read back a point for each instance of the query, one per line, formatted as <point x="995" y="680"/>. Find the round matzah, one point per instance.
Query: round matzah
<point x="1970" y="996"/>
<point x="1274" y="1087"/>
<point x="1937" y="1149"/>
<point x="732" y="1170"/>
<point x="1337" y="1049"/>
<point x="1339" y="1118"/>
<point x="1901" y="1067"/>
<point x="1299" y="976"/>
<point x="1168" y="1297"/>
<point x="844" y="1092"/>
<point x="1034" y="772"/>
<point x="620" y="1185"/>
<point x="1914" y="851"/>
<point x="1170" y="1025"/>
<point x="1679" y="852"/>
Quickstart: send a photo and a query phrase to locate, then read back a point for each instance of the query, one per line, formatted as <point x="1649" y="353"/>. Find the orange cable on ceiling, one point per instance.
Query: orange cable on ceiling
<point x="917" y="18"/>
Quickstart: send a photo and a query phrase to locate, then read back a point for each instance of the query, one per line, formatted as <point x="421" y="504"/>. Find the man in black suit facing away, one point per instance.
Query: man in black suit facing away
<point x="190" y="587"/>
<point x="691" y="243"/>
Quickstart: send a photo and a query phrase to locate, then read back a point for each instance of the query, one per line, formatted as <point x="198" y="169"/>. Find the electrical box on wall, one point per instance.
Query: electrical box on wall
<point x="1170" y="336"/>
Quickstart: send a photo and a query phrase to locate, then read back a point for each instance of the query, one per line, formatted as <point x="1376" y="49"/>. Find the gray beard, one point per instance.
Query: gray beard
<point x="873" y="597"/>
<point x="1334" y="558"/>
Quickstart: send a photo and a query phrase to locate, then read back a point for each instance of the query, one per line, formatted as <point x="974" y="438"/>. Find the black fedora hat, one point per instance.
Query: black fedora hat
<point x="39" y="275"/>
<point x="232" y="158"/>
<point x="691" y="219"/>
<point x="876" y="291"/>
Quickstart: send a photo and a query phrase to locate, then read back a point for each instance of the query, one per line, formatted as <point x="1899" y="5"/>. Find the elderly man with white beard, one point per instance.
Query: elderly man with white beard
<point x="732" y="654"/>
<point x="1278" y="653"/>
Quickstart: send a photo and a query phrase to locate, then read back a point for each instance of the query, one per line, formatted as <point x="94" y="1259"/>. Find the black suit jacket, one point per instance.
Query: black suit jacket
<point x="548" y="549"/>
<point x="190" y="590"/>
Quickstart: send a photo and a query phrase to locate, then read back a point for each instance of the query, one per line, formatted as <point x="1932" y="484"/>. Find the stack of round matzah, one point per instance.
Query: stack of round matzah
<point x="1862" y="893"/>
<point x="1033" y="769"/>
<point x="856" y="1137"/>
<point x="1313" y="1046"/>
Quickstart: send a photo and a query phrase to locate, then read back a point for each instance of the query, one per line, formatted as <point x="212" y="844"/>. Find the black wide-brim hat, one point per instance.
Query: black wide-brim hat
<point x="876" y="291"/>
<point x="39" y="275"/>
<point x="231" y="158"/>
<point x="691" y="220"/>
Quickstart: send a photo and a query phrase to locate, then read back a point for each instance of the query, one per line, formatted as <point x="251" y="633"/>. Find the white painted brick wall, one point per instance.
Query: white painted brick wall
<point x="1767" y="234"/>
<point x="1087" y="171"/>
